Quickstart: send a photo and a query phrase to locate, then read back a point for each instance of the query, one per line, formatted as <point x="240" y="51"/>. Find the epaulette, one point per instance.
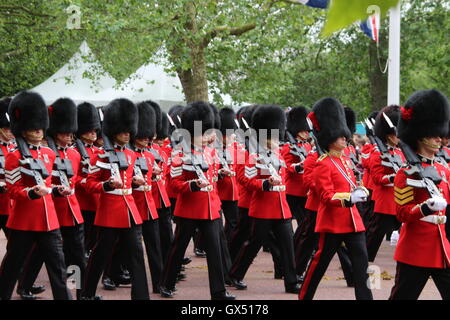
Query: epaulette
<point x="322" y="157"/>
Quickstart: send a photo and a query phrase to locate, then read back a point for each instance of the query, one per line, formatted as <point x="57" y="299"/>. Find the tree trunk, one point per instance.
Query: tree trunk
<point x="378" y="80"/>
<point x="194" y="80"/>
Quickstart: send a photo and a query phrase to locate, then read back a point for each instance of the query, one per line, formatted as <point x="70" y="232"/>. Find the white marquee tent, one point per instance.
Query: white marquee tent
<point x="150" y="81"/>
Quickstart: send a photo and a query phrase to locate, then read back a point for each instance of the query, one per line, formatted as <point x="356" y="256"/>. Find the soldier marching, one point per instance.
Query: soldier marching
<point x="102" y="190"/>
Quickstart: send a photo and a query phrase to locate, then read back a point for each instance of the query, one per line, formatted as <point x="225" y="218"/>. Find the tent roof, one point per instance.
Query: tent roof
<point x="69" y="81"/>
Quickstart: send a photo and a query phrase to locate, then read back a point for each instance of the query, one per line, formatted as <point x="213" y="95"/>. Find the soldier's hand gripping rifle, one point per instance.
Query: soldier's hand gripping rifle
<point x="62" y="168"/>
<point x="429" y="178"/>
<point x="388" y="160"/>
<point x="36" y="167"/>
<point x="253" y="145"/>
<point x="116" y="159"/>
<point x="295" y="148"/>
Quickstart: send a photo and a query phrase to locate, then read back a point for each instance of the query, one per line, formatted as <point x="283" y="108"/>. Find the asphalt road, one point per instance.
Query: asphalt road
<point x="260" y="281"/>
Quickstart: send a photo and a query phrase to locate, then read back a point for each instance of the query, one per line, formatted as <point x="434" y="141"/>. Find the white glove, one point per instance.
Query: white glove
<point x="358" y="195"/>
<point x="436" y="203"/>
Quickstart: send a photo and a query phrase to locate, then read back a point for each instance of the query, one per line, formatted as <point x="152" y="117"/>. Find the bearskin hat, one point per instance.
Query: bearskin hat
<point x="176" y="112"/>
<point x="296" y="120"/>
<point x="164" y="133"/>
<point x="350" y="119"/>
<point x="269" y="117"/>
<point x="197" y="111"/>
<point x="227" y="117"/>
<point x="216" y="116"/>
<point x="4" y="104"/>
<point x="27" y="111"/>
<point x="425" y="114"/>
<point x="88" y="118"/>
<point x="382" y="128"/>
<point x="158" y="113"/>
<point x="120" y="115"/>
<point x="328" y="120"/>
<point x="247" y="114"/>
<point x="63" y="117"/>
<point x="147" y="121"/>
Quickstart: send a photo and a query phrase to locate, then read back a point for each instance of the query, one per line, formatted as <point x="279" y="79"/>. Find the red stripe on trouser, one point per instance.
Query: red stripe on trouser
<point x="312" y="267"/>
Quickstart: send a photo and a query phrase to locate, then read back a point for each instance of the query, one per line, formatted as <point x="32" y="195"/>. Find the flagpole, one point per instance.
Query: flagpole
<point x="394" y="56"/>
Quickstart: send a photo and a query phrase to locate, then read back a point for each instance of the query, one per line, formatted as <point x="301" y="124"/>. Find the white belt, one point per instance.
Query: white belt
<point x="278" y="188"/>
<point x="121" y="192"/>
<point x="143" y="188"/>
<point x="435" y="219"/>
<point x="207" y="188"/>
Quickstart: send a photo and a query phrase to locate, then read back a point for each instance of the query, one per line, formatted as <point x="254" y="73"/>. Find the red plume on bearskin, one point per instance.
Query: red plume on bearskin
<point x="311" y="116"/>
<point x="407" y="113"/>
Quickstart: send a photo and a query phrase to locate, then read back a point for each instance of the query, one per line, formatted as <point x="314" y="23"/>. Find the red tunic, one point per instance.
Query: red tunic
<point x="312" y="201"/>
<point x="367" y="149"/>
<point x="383" y="188"/>
<point x="201" y="204"/>
<point x="143" y="195"/>
<point x="5" y="200"/>
<point x="28" y="214"/>
<point x="88" y="201"/>
<point x="333" y="189"/>
<point x="114" y="207"/>
<point x="294" y="179"/>
<point x="264" y="204"/>
<point x="227" y="186"/>
<point x="245" y="194"/>
<point x="159" y="183"/>
<point x="421" y="243"/>
<point x="67" y="208"/>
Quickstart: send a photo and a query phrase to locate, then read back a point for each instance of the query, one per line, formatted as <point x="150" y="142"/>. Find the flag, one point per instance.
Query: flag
<point x="322" y="4"/>
<point x="371" y="27"/>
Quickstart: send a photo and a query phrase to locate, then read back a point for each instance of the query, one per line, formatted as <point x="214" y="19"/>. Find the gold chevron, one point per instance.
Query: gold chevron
<point x="400" y="196"/>
<point x="402" y="202"/>
<point x="403" y="190"/>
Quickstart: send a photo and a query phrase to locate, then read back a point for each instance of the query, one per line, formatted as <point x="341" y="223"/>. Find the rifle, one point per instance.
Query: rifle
<point x="429" y="177"/>
<point x="37" y="169"/>
<point x="197" y="163"/>
<point x="140" y="166"/>
<point x="86" y="160"/>
<point x="295" y="148"/>
<point x="369" y="132"/>
<point x="116" y="159"/>
<point x="62" y="168"/>
<point x="443" y="157"/>
<point x="320" y="151"/>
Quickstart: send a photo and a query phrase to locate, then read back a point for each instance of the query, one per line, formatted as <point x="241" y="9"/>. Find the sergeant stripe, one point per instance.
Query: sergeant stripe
<point x="404" y="196"/>
<point x="402" y="202"/>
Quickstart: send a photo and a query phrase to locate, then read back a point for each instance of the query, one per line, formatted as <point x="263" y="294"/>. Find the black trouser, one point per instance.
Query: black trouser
<point x="184" y="230"/>
<point x="329" y="243"/>
<point x="259" y="231"/>
<point x="73" y="248"/>
<point x="20" y="244"/>
<point x="410" y="281"/>
<point x="98" y="260"/>
<point x="150" y="232"/>
<point x="242" y="234"/>
<point x="230" y="212"/>
<point x="297" y="207"/>
<point x="165" y="229"/>
<point x="224" y="251"/>
<point x="380" y="225"/>
<point x="307" y="245"/>
<point x="90" y="231"/>
<point x="3" y="221"/>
